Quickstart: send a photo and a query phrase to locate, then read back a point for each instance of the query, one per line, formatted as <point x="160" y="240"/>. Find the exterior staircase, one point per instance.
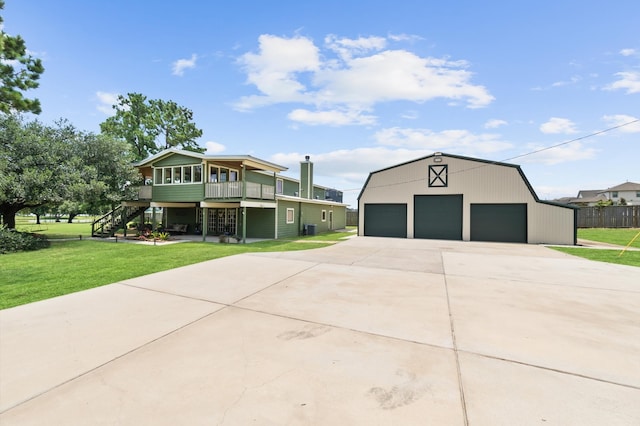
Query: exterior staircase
<point x="107" y="225"/>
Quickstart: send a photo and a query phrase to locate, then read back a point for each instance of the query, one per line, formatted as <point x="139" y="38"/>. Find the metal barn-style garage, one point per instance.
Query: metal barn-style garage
<point x="450" y="197"/>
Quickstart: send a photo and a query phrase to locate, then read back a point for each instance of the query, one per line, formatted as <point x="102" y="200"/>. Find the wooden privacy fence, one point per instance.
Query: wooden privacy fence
<point x="352" y="218"/>
<point x="609" y="217"/>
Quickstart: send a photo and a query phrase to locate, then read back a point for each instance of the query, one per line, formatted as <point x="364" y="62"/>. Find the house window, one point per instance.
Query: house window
<point x="614" y="194"/>
<point x="324" y="216"/>
<point x="220" y="174"/>
<point x="279" y="186"/>
<point x="177" y="175"/>
<point x="290" y="215"/>
<point x="637" y="193"/>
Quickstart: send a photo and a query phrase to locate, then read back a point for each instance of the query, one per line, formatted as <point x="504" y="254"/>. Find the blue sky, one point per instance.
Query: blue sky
<point x="361" y="86"/>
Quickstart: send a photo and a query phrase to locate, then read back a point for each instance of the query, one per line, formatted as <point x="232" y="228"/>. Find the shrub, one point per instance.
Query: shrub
<point x="162" y="236"/>
<point x="12" y="241"/>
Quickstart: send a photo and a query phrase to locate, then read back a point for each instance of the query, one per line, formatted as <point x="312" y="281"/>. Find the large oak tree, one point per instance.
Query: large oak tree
<point x="35" y="166"/>
<point x="60" y="167"/>
<point x="150" y="126"/>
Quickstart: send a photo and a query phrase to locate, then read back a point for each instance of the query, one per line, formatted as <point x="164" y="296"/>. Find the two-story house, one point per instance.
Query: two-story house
<point x="629" y="191"/>
<point x="230" y="194"/>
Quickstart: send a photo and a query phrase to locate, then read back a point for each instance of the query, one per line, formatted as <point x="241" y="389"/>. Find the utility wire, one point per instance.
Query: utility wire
<point x="599" y="132"/>
<point x="488" y="163"/>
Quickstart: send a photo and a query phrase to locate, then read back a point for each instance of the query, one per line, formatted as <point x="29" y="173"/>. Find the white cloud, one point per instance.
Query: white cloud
<point x="461" y="142"/>
<point x="293" y="70"/>
<point x="558" y="125"/>
<point x="620" y="119"/>
<point x="106" y="101"/>
<point x="214" y="147"/>
<point x="628" y="52"/>
<point x="410" y="115"/>
<point x="395" y="75"/>
<point x="575" y="151"/>
<point x="351" y="166"/>
<point x="275" y="69"/>
<point x="629" y="80"/>
<point x="346" y="48"/>
<point x="494" y="124"/>
<point x="347" y="169"/>
<point x="182" y="64"/>
<point x="330" y="118"/>
<point x="573" y="80"/>
<point x="404" y="37"/>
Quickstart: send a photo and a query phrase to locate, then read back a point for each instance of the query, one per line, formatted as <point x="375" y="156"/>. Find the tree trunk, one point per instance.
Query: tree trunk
<point x="9" y="216"/>
<point x="37" y="219"/>
<point x="71" y="216"/>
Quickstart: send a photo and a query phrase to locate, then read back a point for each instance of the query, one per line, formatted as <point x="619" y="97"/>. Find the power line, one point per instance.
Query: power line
<point x="599" y="132"/>
<point x="487" y="163"/>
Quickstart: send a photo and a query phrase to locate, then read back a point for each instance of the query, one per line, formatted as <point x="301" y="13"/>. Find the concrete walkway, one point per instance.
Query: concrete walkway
<point x="369" y="331"/>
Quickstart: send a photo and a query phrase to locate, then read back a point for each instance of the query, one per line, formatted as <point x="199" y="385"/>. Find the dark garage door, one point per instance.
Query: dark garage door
<point x="437" y="217"/>
<point x="499" y="222"/>
<point x="385" y="220"/>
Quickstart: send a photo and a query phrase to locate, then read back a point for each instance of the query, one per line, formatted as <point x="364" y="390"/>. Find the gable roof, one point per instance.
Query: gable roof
<point x="588" y="193"/>
<point x="627" y="186"/>
<point x="244" y="159"/>
<point x="477" y="160"/>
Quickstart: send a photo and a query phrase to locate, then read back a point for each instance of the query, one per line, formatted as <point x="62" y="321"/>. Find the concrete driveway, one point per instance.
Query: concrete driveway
<point x="365" y="332"/>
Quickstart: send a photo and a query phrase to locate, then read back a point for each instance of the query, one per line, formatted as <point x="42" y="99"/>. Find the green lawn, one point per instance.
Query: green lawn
<point x="70" y="266"/>
<point x="631" y="258"/>
<point x="619" y="236"/>
<point x="56" y="230"/>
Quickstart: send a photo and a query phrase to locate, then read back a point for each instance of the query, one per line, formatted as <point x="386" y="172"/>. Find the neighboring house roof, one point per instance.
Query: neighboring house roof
<point x="247" y="159"/>
<point x="627" y="186"/>
<point x="586" y="200"/>
<point x="589" y="193"/>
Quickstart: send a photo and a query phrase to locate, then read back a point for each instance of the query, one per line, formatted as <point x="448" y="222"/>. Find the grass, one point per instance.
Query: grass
<point x="618" y="236"/>
<point x="70" y="266"/>
<point x="56" y="230"/>
<point x="630" y="258"/>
